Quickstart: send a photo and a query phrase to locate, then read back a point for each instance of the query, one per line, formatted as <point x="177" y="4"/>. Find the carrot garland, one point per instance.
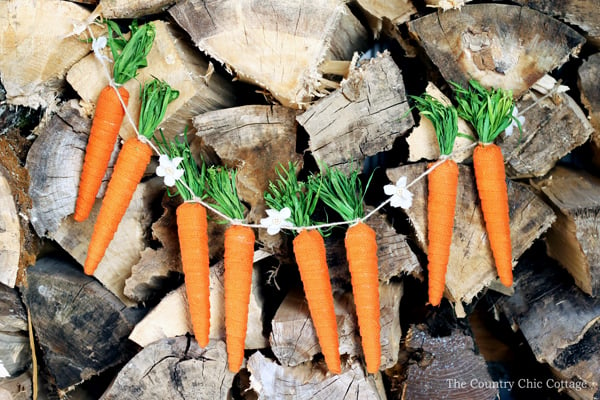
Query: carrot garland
<point x="490" y="113"/>
<point x="131" y="164"/>
<point x="192" y="229"/>
<point x="309" y="250"/>
<point x="442" y="189"/>
<point x="239" y="255"/>
<point x="128" y="56"/>
<point x="344" y="194"/>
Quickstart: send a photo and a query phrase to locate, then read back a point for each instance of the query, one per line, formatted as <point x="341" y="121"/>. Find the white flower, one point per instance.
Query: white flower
<point x="276" y="220"/>
<point x="168" y="169"/>
<point x="401" y="197"/>
<point x="98" y="45"/>
<point x="509" y="129"/>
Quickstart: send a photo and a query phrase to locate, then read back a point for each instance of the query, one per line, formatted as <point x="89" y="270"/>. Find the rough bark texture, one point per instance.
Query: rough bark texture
<point x="471" y="267"/>
<point x="560" y="323"/>
<point x="173" y="60"/>
<point x="81" y="327"/>
<point x="55" y="161"/>
<point x="308" y="381"/>
<point x="498" y="45"/>
<point x="589" y="87"/>
<point x="552" y="128"/>
<point x="34" y="54"/>
<point x="255" y="139"/>
<point x="447" y="369"/>
<point x="174" y="368"/>
<point x="574" y="239"/>
<point x="278" y="45"/>
<point x="361" y="118"/>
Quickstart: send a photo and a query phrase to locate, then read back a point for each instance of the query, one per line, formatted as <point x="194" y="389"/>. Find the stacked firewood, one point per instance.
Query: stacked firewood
<point x="264" y="83"/>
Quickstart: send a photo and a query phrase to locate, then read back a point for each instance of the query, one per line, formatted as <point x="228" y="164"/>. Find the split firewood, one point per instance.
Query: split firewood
<point x="422" y="141"/>
<point x="255" y="139"/>
<point x="17" y="388"/>
<point x="54" y="163"/>
<point x="133" y="9"/>
<point x="560" y="323"/>
<point x="171" y="317"/>
<point x="471" y="265"/>
<point x="171" y="59"/>
<point x="293" y="337"/>
<point x="272" y="381"/>
<point x="10" y="235"/>
<point x="362" y="118"/>
<point x="34" y="54"/>
<point x="589" y="88"/>
<point x="174" y="368"/>
<point x="574" y="239"/>
<point x="396" y="11"/>
<point x="278" y="45"/>
<point x="447" y="368"/>
<point x="503" y="46"/>
<point x="552" y="128"/>
<point x="15" y="351"/>
<point x="582" y="13"/>
<point x="446" y="5"/>
<point x="80" y="326"/>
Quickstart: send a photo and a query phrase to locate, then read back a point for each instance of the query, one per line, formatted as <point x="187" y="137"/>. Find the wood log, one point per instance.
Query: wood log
<point x="582" y="13"/>
<point x="15" y="353"/>
<point x="117" y="9"/>
<point x="293" y="338"/>
<point x="256" y="139"/>
<point x="446" y="5"/>
<point x="553" y="127"/>
<point x="34" y="54"/>
<point x="309" y="381"/>
<point x="171" y="59"/>
<point x="10" y="235"/>
<point x="422" y="141"/>
<point x="499" y="45"/>
<point x="446" y="368"/>
<point x="574" y="239"/>
<point x="589" y="89"/>
<point x="171" y="317"/>
<point x="560" y="323"/>
<point x="396" y="11"/>
<point x="174" y="368"/>
<point x="18" y="388"/>
<point x="471" y="267"/>
<point x="54" y="163"/>
<point x="278" y="45"/>
<point x="81" y="327"/>
<point x="362" y="118"/>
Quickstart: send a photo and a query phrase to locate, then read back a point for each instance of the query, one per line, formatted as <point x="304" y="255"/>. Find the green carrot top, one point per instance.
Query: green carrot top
<point x="129" y="55"/>
<point x="191" y="181"/>
<point x="489" y="111"/>
<point x="340" y="191"/>
<point x="156" y="96"/>
<point x="298" y="196"/>
<point x="220" y="186"/>
<point x="444" y="119"/>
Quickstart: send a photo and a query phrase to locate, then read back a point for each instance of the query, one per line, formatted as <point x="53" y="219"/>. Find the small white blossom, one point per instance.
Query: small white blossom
<point x="401" y="197"/>
<point x="97" y="46"/>
<point x="513" y="124"/>
<point x="276" y="220"/>
<point x="168" y="169"/>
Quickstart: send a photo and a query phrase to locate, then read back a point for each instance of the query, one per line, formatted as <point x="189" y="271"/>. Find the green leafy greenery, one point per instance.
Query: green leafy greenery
<point x="156" y="96"/>
<point x="193" y="177"/>
<point x="220" y="186"/>
<point x="298" y="196"/>
<point x="340" y="191"/>
<point x="489" y="111"/>
<point x="129" y="55"/>
<point x="444" y="119"/>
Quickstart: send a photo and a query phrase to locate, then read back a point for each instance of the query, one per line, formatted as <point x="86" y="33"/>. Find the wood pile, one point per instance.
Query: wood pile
<point x="264" y="83"/>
